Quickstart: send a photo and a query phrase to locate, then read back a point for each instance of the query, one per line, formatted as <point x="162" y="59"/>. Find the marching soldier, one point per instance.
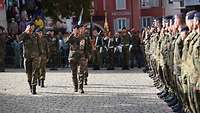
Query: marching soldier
<point x="44" y="57"/>
<point x="31" y="51"/>
<point x="53" y="50"/>
<point x="78" y="57"/>
<point x="125" y="49"/>
<point x="84" y="31"/>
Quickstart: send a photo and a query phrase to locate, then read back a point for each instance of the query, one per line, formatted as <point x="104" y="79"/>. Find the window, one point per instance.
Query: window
<point x="119" y="23"/>
<point x="146" y="21"/>
<point x="150" y="3"/>
<point x="120" y="4"/>
<point x="145" y="3"/>
<point x="170" y="1"/>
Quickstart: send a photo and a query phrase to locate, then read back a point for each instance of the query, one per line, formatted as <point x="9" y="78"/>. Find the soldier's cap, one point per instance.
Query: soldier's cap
<point x="76" y="26"/>
<point x="190" y="15"/>
<point x="185" y="29"/>
<point x="197" y="16"/>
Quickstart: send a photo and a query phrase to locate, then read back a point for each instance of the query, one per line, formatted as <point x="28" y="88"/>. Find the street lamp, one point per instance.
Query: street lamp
<point x="92" y="11"/>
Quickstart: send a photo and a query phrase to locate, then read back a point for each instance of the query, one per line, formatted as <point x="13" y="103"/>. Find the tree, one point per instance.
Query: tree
<point x="53" y="8"/>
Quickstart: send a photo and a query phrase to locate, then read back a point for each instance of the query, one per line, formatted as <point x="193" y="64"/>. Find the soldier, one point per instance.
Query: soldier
<point x="193" y="63"/>
<point x="117" y="50"/>
<point x="78" y="58"/>
<point x="85" y="32"/>
<point x="53" y="50"/>
<point x="110" y="46"/>
<point x="184" y="72"/>
<point x="44" y="56"/>
<point x="97" y="49"/>
<point x="31" y="51"/>
<point x="105" y="49"/>
<point x="2" y="49"/>
<point x="196" y="63"/>
<point x="135" y="52"/>
<point x="125" y="49"/>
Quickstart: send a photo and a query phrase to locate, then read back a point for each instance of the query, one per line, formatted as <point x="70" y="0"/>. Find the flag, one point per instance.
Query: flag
<point x="80" y="17"/>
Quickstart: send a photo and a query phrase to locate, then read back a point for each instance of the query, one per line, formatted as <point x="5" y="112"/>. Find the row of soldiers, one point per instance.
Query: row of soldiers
<point x="120" y="50"/>
<point x="172" y="52"/>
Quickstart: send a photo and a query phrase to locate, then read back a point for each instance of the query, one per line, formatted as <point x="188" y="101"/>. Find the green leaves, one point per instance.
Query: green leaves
<point x="53" y="8"/>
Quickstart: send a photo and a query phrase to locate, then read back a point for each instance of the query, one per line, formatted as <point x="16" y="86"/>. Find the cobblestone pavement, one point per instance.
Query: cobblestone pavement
<point x="107" y="92"/>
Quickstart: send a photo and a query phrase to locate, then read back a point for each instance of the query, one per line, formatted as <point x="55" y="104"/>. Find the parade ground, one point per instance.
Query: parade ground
<point x="115" y="91"/>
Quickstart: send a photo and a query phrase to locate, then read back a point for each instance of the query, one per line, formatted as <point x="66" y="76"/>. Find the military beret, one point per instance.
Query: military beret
<point x="197" y="16"/>
<point x="185" y="29"/>
<point x="190" y="15"/>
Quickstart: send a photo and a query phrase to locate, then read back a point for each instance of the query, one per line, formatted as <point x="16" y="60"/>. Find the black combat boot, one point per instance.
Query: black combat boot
<point x="42" y="83"/>
<point x="81" y="80"/>
<point x="39" y="82"/>
<point x="85" y="81"/>
<point x="81" y="91"/>
<point x="34" y="89"/>
<point x="30" y="86"/>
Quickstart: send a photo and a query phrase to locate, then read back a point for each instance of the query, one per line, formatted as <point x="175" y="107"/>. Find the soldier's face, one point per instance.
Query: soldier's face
<point x="195" y="23"/>
<point x="189" y="23"/>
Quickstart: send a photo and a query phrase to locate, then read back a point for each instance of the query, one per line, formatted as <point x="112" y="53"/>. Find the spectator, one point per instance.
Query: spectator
<point x="22" y="25"/>
<point x="13" y="27"/>
<point x="39" y="22"/>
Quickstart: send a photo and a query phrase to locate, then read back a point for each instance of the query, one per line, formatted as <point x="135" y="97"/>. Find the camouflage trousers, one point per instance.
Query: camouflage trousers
<point x="31" y="66"/>
<point x="78" y="68"/>
<point x="42" y="71"/>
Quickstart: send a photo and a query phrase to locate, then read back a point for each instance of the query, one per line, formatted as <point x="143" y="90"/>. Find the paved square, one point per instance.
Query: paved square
<point x="107" y="92"/>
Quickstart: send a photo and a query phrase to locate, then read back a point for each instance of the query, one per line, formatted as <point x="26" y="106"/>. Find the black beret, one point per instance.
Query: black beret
<point x="190" y="15"/>
<point x="197" y="15"/>
<point x="185" y="29"/>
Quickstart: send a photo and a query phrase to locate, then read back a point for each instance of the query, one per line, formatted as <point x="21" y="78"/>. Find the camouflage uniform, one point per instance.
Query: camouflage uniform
<point x="196" y="77"/>
<point x="125" y="51"/>
<point x="44" y="58"/>
<point x="78" y="56"/>
<point x="31" y="53"/>
<point x="53" y="51"/>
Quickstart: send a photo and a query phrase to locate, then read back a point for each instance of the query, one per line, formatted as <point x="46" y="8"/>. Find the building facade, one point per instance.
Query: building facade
<point x="121" y="13"/>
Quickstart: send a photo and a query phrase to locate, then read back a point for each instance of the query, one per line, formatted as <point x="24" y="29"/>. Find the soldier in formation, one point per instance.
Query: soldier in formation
<point x="172" y="56"/>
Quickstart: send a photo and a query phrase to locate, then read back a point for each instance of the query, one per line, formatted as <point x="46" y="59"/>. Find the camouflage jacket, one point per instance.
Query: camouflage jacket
<point x="31" y="47"/>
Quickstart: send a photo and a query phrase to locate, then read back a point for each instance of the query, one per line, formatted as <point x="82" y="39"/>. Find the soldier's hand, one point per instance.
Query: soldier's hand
<point x="27" y="29"/>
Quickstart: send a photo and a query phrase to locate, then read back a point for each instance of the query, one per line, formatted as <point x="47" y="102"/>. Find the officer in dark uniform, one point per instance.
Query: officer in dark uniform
<point x="117" y="50"/>
<point x="110" y="46"/>
<point x="125" y="49"/>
